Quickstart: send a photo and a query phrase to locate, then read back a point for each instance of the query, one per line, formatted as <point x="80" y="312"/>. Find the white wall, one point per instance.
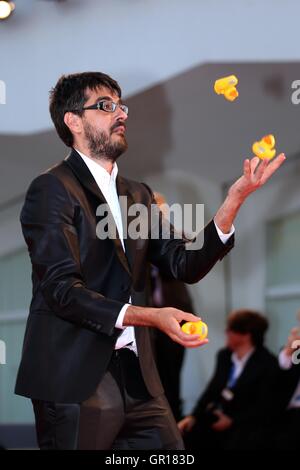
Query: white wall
<point x="140" y="42"/>
<point x="278" y="198"/>
<point x="11" y="238"/>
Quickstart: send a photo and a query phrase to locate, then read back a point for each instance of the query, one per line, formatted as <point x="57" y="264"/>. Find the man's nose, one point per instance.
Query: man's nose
<point x="121" y="114"/>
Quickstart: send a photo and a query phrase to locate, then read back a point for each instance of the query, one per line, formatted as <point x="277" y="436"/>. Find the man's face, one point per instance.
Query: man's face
<point x="235" y="340"/>
<point x="104" y="132"/>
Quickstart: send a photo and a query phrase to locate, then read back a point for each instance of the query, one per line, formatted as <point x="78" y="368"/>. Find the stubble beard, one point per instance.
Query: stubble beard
<point x="100" y="145"/>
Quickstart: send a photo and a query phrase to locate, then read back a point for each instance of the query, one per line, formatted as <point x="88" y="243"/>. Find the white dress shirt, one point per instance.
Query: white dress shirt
<point x="107" y="184"/>
<point x="239" y="364"/>
<point x="286" y="363"/>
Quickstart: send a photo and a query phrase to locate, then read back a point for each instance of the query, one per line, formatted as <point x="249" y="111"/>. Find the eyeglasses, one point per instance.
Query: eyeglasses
<point x="107" y="106"/>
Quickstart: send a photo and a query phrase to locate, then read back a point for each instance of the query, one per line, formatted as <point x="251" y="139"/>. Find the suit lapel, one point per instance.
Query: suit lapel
<point x="130" y="244"/>
<point x="77" y="165"/>
<point x="249" y="370"/>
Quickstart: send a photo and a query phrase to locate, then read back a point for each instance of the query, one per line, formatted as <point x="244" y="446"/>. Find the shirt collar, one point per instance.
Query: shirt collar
<point x="101" y="176"/>
<point x="243" y="360"/>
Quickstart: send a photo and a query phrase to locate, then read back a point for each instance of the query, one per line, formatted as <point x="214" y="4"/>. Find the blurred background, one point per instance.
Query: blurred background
<point x="184" y="141"/>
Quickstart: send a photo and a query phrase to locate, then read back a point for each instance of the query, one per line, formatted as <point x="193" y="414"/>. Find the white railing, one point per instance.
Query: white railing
<point x="287" y="291"/>
<point x="13" y="316"/>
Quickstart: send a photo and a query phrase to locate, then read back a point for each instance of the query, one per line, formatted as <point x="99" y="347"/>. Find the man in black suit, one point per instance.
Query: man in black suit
<point x="283" y="434"/>
<point x="87" y="363"/>
<point x="237" y="402"/>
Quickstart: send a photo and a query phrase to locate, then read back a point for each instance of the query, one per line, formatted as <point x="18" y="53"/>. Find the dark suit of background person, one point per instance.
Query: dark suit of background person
<point x="168" y="354"/>
<point x="284" y="432"/>
<point x="80" y="284"/>
<point x="247" y="401"/>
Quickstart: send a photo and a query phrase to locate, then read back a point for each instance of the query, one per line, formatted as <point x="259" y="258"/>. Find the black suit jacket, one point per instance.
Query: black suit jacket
<point x="80" y="283"/>
<point x="286" y="385"/>
<point x="253" y="392"/>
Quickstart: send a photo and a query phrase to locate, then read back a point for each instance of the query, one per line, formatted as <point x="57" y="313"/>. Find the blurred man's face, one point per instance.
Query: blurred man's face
<point x="236" y="340"/>
<point x="104" y="132"/>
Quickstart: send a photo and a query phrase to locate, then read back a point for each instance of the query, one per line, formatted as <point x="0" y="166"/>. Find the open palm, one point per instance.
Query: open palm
<point x="256" y="173"/>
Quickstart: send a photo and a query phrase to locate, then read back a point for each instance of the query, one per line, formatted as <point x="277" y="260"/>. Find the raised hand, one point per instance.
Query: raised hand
<point x="256" y="174"/>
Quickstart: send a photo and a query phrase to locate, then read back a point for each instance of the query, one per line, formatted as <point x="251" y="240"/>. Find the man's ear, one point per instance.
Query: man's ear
<point x="73" y="121"/>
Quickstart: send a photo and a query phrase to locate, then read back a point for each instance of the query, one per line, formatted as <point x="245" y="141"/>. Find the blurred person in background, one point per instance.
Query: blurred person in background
<point x="236" y="401"/>
<point x="284" y="432"/>
<point x="167" y="291"/>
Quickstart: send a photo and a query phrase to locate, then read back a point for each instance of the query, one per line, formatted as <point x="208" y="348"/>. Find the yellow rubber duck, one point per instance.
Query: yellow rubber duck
<point x="264" y="149"/>
<point x="196" y="328"/>
<point x="227" y="86"/>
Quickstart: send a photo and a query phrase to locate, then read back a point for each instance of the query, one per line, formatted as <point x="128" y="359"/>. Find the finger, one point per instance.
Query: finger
<point x="196" y="344"/>
<point x="254" y="162"/>
<point x="189" y="342"/>
<point x="294" y="333"/>
<point x="261" y="169"/>
<point x="295" y="338"/>
<point x="247" y="168"/>
<point x="272" y="167"/>
<point x="180" y="427"/>
<point x="186" y="336"/>
<point x="190" y="317"/>
<point x="183" y="424"/>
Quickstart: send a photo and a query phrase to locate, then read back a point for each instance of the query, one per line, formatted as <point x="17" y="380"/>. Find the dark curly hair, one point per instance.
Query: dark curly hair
<point x="69" y="94"/>
<point x="248" y="321"/>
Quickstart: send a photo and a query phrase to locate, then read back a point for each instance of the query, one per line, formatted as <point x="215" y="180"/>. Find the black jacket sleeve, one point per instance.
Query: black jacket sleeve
<point x="47" y="220"/>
